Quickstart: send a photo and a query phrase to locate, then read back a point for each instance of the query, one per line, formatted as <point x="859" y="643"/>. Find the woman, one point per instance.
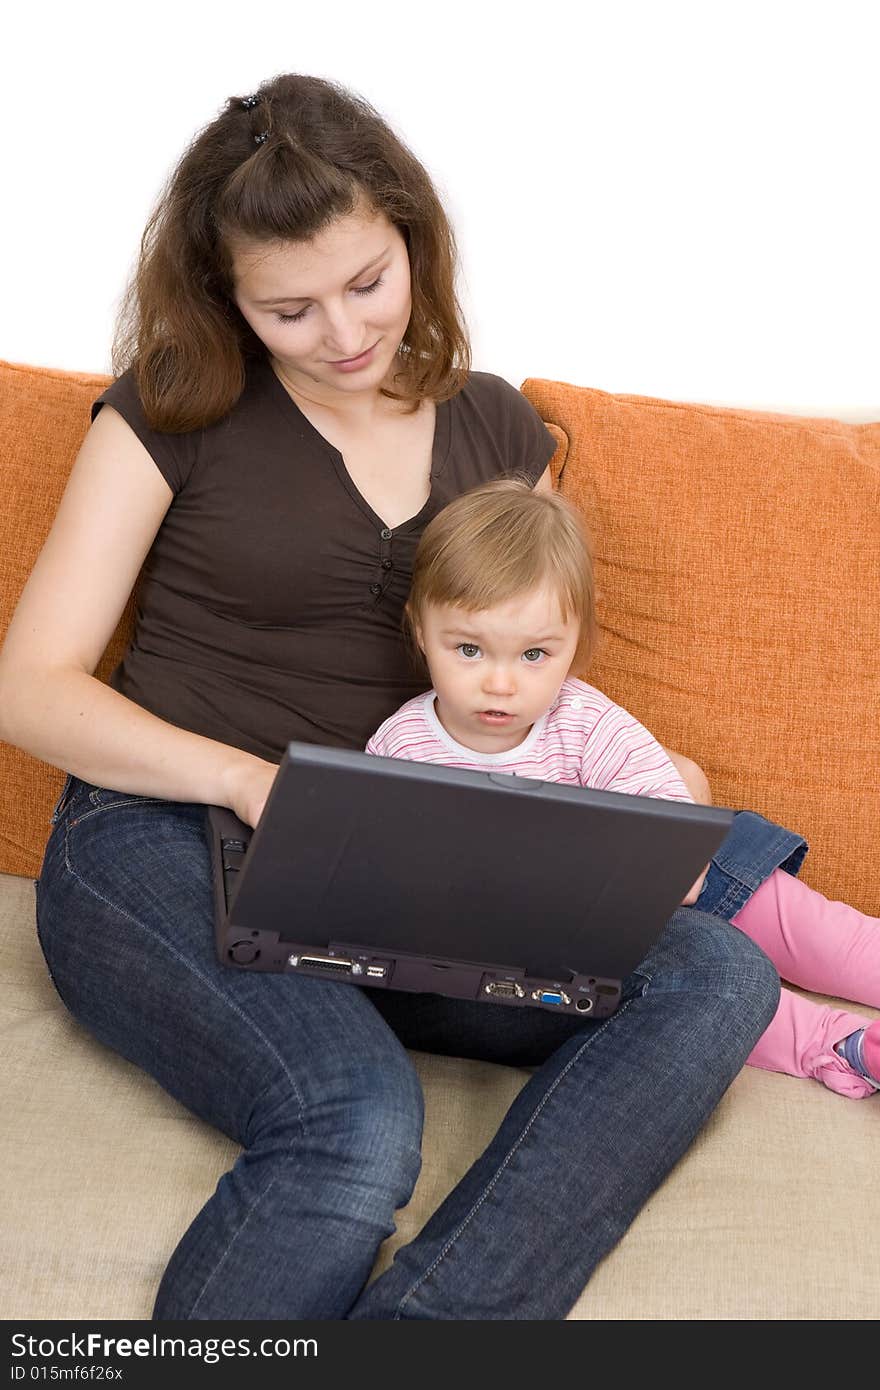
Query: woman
<point x="294" y="404"/>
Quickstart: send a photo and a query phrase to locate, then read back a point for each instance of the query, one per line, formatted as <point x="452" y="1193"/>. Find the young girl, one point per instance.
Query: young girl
<point x="502" y="609"/>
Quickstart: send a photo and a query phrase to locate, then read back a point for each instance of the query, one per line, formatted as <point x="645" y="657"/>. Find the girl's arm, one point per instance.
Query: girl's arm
<point x="693" y="777"/>
<point x="51" y="704"/>
<point x="697" y="784"/>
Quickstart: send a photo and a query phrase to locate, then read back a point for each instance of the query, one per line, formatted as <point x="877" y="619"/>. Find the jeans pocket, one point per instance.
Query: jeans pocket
<point x="93" y="801"/>
<point x="64" y="799"/>
<point x="106" y="797"/>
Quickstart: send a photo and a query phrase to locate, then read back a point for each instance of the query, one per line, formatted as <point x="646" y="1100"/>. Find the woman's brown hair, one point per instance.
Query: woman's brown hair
<point x="497" y="542"/>
<point x="325" y="150"/>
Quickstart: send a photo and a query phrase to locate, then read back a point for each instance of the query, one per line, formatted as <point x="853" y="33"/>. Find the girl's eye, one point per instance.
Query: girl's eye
<point x="295" y="318"/>
<point x="534" y="654"/>
<point x="468" y="650"/>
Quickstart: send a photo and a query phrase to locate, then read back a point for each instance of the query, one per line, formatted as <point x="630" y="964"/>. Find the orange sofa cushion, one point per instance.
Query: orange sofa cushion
<point x="738" y="570"/>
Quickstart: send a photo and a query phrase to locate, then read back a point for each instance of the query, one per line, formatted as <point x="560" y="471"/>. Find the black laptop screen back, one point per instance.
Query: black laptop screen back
<point x="475" y="866"/>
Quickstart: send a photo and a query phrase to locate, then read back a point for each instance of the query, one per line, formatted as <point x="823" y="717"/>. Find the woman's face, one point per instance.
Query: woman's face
<point x="332" y="311"/>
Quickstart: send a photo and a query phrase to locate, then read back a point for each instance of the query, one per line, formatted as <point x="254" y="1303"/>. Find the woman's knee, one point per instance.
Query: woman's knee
<point x="759" y="974"/>
<point x="362" y="1129"/>
<point x="746" y="975"/>
<point x="702" y="954"/>
<point x="374" y="1105"/>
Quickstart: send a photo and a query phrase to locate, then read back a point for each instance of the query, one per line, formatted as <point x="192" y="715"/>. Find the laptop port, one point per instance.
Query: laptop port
<point x="334" y="965"/>
<point x="550" y="996"/>
<point x="244" y="952"/>
<point x="377" y="972"/>
<point x="583" y="1006"/>
<point x="505" y="989"/>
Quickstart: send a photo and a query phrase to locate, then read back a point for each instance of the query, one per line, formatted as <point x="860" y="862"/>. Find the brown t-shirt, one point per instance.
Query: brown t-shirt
<point x="271" y="602"/>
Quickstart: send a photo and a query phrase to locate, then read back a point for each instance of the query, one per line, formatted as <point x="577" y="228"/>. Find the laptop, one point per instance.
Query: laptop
<point x="391" y="874"/>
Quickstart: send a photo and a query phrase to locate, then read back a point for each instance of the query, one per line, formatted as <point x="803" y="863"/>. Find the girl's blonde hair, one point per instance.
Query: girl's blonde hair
<point x="501" y="540"/>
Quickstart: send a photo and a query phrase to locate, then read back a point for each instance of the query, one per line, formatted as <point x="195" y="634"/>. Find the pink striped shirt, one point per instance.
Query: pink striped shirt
<point x="583" y="740"/>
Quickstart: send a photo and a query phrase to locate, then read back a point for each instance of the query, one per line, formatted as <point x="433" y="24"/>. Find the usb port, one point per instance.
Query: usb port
<point x="377" y="972"/>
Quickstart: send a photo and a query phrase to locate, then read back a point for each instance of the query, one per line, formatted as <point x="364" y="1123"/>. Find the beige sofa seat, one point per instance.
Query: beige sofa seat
<point x="772" y="1214"/>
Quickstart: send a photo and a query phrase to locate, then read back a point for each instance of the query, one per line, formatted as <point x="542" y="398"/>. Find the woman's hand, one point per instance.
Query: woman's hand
<point x="246" y="784"/>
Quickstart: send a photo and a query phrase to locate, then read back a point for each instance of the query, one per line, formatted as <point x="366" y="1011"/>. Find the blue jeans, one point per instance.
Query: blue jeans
<point x="313" y="1080"/>
<point x="749" y="854"/>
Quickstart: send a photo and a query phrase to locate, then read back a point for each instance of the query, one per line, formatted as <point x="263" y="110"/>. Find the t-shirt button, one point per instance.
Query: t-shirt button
<point x="375" y="588"/>
<point x="386" y="564"/>
<point x="577" y="702"/>
<point x="385" y="533"/>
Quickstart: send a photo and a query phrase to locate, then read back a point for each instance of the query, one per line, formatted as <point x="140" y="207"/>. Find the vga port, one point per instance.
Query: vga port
<point x="550" y="996"/>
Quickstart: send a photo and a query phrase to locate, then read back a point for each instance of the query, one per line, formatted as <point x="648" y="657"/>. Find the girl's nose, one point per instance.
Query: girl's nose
<point x="499" y="680"/>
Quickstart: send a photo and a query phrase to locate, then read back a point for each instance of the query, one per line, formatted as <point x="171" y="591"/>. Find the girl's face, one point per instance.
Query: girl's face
<point x="497" y="672"/>
<point x="332" y="311"/>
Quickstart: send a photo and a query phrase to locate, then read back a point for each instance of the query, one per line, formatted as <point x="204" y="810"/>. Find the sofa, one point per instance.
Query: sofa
<point x="738" y="567"/>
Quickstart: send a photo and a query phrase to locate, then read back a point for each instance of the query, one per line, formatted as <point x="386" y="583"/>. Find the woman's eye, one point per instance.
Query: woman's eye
<point x="468" y="650"/>
<point x="534" y="654"/>
<point x="295" y="318"/>
<point x="368" y="289"/>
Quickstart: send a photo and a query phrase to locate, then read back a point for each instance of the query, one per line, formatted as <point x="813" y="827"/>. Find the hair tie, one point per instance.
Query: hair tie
<point x="261" y="138"/>
<point x="248" y="103"/>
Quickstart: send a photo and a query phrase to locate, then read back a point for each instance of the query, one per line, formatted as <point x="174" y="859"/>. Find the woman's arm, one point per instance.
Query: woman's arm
<point x="51" y="704"/>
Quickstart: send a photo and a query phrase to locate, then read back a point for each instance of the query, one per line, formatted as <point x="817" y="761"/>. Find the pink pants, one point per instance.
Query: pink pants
<point x="822" y="946"/>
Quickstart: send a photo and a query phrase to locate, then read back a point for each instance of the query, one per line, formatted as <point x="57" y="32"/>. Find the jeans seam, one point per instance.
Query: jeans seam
<point x="223" y="1258"/>
<point x="198" y="974"/>
<point x="733" y="901"/>
<point x="588" y="1041"/>
<point x="115" y="806"/>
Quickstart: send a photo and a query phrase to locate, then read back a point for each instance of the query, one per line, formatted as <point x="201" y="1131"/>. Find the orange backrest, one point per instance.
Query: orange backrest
<point x="738" y="569"/>
<point x="44" y="415"/>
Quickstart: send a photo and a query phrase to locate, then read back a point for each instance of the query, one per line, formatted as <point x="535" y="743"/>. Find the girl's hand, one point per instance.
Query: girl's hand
<point x="696" y="890"/>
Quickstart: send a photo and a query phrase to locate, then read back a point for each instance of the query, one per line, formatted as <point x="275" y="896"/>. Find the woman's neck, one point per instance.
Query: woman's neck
<point x="356" y="411"/>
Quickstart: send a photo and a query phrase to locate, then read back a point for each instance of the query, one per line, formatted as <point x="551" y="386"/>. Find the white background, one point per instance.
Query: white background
<point x="673" y="199"/>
